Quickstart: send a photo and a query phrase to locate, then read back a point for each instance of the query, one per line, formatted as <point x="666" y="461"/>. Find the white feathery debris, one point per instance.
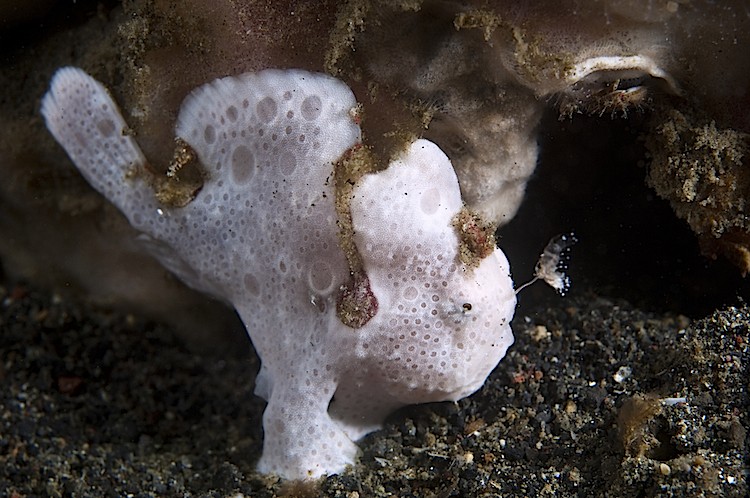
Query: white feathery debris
<point x="553" y="263"/>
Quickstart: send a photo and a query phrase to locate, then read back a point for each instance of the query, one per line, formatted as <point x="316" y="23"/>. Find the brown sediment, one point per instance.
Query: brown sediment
<point x="355" y="163"/>
<point x="356" y="304"/>
<point x="184" y="178"/>
<point x="350" y="20"/>
<point x="734" y="245"/>
<point x="167" y="48"/>
<point x="534" y="61"/>
<point x="486" y="20"/>
<point x="701" y="170"/>
<point x="476" y="237"/>
<point x="395" y="119"/>
<point x="634" y="415"/>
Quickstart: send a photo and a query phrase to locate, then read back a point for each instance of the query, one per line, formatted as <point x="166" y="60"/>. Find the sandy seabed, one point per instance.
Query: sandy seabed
<point x="98" y="403"/>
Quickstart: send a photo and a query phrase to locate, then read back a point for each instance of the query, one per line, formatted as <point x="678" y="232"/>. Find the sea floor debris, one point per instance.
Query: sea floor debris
<point x="100" y="402"/>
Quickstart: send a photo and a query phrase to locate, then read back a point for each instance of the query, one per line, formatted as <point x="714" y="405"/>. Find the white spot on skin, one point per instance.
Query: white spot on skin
<point x="209" y="134"/>
<point x="430" y="201"/>
<point x="311" y="107"/>
<point x="411" y="293"/>
<point x="287" y="163"/>
<point x="243" y="164"/>
<point x="251" y="284"/>
<point x="232" y="113"/>
<point x="320" y="277"/>
<point x="266" y="109"/>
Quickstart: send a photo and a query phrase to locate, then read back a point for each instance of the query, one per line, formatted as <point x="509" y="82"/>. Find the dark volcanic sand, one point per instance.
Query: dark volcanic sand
<point x="97" y="403"/>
